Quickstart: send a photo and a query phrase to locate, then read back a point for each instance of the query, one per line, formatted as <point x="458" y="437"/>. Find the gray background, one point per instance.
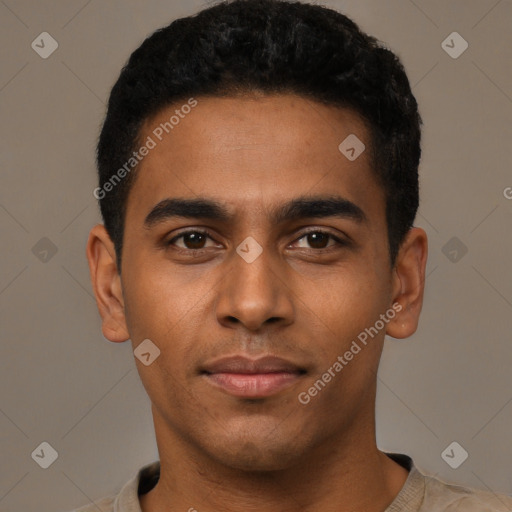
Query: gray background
<point x="63" y="383"/>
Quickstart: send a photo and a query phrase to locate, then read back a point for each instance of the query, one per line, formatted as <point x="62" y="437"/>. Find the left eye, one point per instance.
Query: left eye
<point x="317" y="239"/>
<point x="194" y="240"/>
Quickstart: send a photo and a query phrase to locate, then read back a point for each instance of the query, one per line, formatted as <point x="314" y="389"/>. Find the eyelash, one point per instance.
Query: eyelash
<point x="340" y="243"/>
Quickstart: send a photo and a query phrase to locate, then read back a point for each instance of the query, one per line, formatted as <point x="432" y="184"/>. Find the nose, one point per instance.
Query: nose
<point x="255" y="293"/>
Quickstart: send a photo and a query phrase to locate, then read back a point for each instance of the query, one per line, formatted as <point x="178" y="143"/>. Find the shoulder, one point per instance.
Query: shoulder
<point x="423" y="492"/>
<point x="443" y="496"/>
<point x="127" y="500"/>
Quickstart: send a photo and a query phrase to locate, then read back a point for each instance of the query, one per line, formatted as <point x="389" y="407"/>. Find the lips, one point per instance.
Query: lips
<point x="249" y="378"/>
<point x="240" y="364"/>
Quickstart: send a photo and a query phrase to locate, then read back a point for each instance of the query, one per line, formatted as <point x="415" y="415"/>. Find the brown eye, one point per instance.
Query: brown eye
<point x="319" y="239"/>
<point x="193" y="240"/>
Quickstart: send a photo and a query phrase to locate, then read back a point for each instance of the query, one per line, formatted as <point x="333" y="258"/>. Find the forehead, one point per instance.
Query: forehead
<point x="251" y="153"/>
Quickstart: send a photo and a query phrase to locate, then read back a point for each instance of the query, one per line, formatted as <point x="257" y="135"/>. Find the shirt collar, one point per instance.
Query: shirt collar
<point x="411" y="494"/>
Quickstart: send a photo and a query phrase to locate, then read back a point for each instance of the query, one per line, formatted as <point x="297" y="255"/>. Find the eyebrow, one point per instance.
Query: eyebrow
<point x="298" y="208"/>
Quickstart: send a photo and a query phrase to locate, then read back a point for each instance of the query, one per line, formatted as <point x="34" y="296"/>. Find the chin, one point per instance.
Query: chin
<point x="264" y="455"/>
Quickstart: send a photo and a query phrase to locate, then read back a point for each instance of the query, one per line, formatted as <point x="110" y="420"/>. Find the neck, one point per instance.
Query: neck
<point x="344" y="474"/>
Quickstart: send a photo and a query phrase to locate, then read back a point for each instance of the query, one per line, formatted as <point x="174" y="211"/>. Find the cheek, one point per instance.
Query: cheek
<point x="162" y="308"/>
<point x="159" y="300"/>
<point x="349" y="306"/>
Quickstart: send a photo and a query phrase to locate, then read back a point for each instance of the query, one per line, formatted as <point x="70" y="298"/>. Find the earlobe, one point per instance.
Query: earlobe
<point x="106" y="283"/>
<point x="409" y="283"/>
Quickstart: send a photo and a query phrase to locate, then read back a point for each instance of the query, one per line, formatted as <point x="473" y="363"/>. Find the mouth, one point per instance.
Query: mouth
<point x="242" y="377"/>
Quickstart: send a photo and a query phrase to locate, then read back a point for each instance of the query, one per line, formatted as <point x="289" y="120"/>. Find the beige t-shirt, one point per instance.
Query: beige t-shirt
<point x="420" y="493"/>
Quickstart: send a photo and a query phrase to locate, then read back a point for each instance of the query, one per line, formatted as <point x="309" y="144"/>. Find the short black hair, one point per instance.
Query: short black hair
<point x="273" y="47"/>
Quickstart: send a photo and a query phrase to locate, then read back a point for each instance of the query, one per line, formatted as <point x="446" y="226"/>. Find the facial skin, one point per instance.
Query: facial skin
<point x="304" y="299"/>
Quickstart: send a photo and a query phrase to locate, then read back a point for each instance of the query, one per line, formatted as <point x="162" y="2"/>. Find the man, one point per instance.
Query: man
<point x="258" y="184"/>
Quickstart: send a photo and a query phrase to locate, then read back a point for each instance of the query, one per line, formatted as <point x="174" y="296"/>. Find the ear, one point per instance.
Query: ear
<point x="408" y="284"/>
<point x="106" y="283"/>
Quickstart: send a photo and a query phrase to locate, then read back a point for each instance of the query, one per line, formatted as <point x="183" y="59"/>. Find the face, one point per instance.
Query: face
<point x="282" y="252"/>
